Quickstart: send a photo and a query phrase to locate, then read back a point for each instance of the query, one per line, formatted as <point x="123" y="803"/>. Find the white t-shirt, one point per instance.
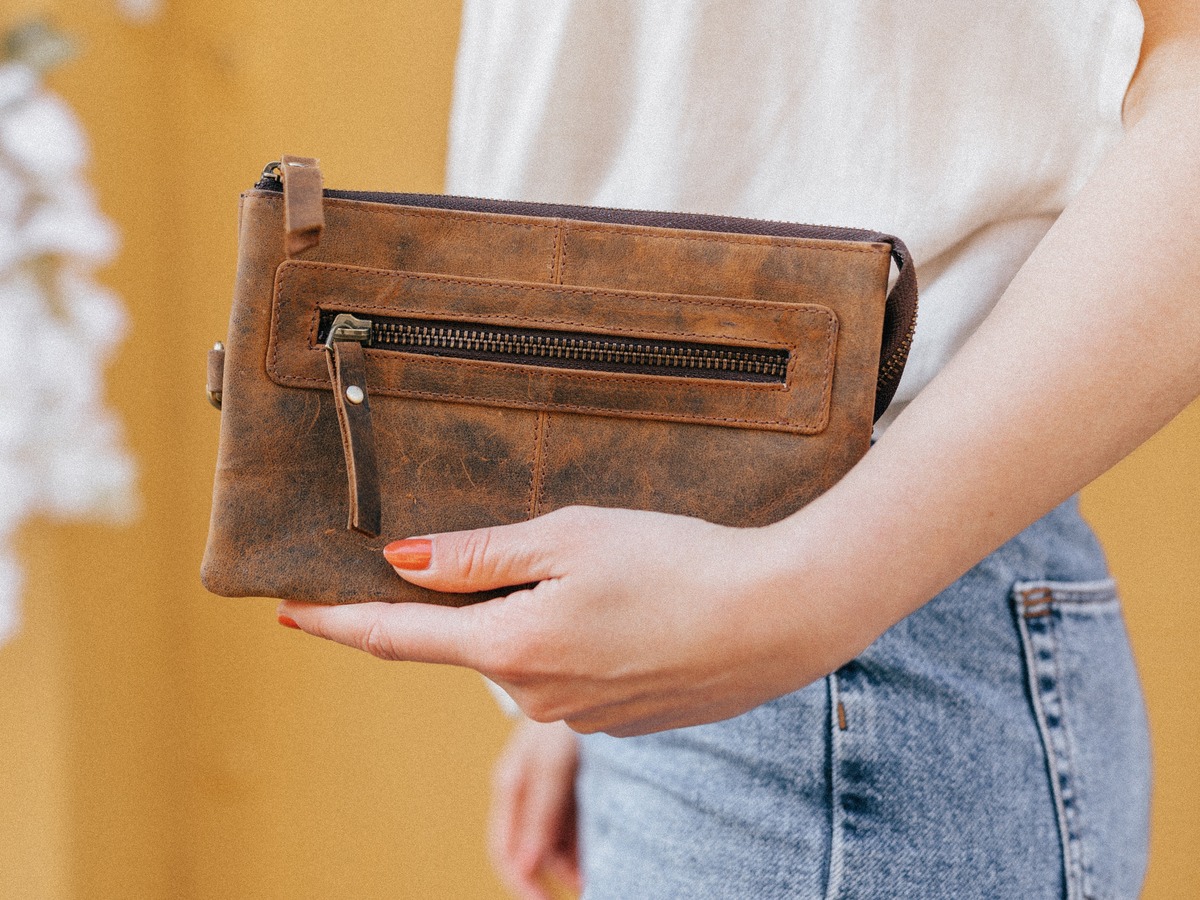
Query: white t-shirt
<point x="961" y="127"/>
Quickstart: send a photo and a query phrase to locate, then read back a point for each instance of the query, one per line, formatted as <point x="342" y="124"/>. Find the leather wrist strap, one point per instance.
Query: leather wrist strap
<point x="899" y="326"/>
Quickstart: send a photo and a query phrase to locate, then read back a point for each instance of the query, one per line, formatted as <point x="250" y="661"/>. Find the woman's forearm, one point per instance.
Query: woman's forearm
<point x="1094" y="346"/>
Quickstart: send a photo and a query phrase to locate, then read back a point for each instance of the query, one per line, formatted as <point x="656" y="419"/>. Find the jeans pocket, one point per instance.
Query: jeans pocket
<point x="1085" y="696"/>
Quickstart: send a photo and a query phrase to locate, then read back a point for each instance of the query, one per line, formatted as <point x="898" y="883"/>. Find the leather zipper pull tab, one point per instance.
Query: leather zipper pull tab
<point x="348" y="375"/>
<point x="303" y="206"/>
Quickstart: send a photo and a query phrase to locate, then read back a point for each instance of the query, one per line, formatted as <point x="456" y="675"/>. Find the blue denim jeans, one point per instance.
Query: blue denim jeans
<point x="992" y="745"/>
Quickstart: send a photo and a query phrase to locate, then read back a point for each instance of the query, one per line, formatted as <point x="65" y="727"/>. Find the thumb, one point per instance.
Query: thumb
<point x="478" y="560"/>
<point x="416" y="632"/>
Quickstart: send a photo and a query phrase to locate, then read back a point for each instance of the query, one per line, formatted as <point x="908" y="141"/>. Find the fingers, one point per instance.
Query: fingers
<point x="417" y="632"/>
<point x="549" y="804"/>
<point x="511" y="784"/>
<point x="508" y="795"/>
<point x="479" y="560"/>
<point x="532" y="817"/>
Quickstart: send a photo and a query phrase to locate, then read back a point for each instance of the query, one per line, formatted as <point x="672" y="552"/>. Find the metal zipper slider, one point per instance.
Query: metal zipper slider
<point x="346" y="327"/>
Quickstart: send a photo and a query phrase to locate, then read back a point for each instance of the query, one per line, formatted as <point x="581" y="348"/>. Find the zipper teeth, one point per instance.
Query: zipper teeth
<point x="577" y="350"/>
<point x="894" y="365"/>
<point x="581" y="349"/>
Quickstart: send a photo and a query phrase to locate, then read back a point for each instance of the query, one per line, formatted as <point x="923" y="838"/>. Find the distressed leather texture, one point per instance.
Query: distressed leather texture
<point x="461" y="444"/>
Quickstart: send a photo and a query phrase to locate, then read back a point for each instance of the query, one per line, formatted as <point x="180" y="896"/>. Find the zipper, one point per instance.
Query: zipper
<point x="557" y="349"/>
<point x="272" y="181"/>
<point x="891" y="368"/>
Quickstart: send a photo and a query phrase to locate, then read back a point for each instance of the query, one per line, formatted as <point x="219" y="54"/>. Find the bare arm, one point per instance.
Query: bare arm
<point x="1094" y="347"/>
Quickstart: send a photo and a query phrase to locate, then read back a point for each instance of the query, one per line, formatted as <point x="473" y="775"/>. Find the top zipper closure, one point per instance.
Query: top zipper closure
<point x="270" y="180"/>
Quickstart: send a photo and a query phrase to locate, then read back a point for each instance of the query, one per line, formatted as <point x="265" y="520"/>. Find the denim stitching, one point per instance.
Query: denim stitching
<point x="1075" y="828"/>
<point x="1094" y="595"/>
<point x="1026" y="628"/>
<point x="837" y="816"/>
<point x="1084" y="593"/>
<point x="1039" y="607"/>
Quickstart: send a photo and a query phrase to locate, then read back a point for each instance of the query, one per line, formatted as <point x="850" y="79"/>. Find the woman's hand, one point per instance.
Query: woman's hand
<point x="531" y="828"/>
<point x="639" y="621"/>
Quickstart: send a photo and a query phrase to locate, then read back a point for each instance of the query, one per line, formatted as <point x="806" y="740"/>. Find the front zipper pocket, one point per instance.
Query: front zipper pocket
<point x="723" y="361"/>
<point x="557" y="349"/>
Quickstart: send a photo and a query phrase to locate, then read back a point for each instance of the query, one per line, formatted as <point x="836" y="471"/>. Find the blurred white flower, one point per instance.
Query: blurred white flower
<point x="77" y="231"/>
<point x="41" y="135"/>
<point x="140" y="10"/>
<point x="10" y="586"/>
<point x="17" y="82"/>
<point x="61" y="450"/>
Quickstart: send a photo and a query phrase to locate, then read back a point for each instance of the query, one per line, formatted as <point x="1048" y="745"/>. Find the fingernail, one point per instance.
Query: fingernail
<point x="288" y="622"/>
<point x="410" y="553"/>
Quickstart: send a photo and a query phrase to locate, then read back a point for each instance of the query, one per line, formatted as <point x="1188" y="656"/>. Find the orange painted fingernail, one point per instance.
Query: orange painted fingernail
<point x="288" y="622"/>
<point x="410" y="553"/>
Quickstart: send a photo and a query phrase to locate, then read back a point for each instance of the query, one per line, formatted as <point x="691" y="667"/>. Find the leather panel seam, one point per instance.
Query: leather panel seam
<point x="538" y="464"/>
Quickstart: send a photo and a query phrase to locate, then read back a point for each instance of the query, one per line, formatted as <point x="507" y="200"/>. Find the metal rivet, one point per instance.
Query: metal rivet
<point x="355" y="394"/>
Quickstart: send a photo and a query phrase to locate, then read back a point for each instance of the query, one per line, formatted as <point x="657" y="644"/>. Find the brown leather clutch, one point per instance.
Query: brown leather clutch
<point x="404" y="364"/>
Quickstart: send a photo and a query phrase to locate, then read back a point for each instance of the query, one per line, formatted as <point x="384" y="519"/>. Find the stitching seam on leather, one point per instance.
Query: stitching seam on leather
<point x="760" y="240"/>
<point x="556" y="270"/>
<point x="800" y="427"/>
<point x="409" y="212"/>
<point x="562" y="255"/>
<point x="606" y="329"/>
<point x="543" y="442"/>
<point x="287" y="267"/>
<point x="537" y="467"/>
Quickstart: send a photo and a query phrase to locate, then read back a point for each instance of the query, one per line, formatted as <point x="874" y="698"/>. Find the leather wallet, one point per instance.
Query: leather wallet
<point x="404" y="364"/>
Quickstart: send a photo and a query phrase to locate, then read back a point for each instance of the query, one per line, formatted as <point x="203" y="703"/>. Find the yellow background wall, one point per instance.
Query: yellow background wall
<point x="158" y="742"/>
